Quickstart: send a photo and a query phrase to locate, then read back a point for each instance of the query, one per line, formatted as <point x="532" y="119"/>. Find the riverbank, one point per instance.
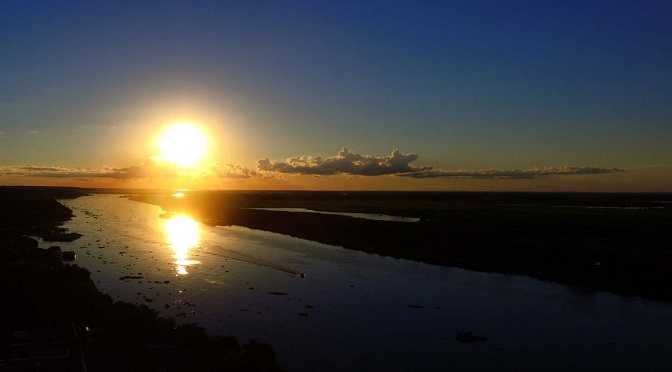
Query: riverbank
<point x="46" y="297"/>
<point x="613" y="242"/>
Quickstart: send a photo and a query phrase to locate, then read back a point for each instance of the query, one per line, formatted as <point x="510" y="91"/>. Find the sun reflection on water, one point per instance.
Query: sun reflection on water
<point x="183" y="234"/>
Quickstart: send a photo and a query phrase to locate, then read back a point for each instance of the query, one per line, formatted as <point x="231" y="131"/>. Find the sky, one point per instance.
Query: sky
<point x="340" y="95"/>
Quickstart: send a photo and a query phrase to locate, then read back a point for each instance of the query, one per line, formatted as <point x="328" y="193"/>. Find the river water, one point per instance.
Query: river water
<point x="353" y="310"/>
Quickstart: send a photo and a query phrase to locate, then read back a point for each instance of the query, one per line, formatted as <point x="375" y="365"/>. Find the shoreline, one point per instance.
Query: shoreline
<point x="50" y="298"/>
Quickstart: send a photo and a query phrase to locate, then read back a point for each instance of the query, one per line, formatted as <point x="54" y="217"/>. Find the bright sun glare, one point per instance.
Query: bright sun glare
<point x="182" y="144"/>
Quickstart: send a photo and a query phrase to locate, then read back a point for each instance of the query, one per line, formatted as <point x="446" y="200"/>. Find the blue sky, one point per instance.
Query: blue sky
<point x="470" y="86"/>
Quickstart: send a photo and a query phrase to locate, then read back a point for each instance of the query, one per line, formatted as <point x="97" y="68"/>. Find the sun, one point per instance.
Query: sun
<point x="182" y="144"/>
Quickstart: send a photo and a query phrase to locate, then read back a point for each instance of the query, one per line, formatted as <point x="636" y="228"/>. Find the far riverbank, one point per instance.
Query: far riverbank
<point x="614" y="242"/>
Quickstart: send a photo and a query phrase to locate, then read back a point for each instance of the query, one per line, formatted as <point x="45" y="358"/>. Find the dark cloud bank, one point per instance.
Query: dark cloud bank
<point x="510" y="173"/>
<point x="345" y="162"/>
<point x="348" y="162"/>
<point x="149" y="169"/>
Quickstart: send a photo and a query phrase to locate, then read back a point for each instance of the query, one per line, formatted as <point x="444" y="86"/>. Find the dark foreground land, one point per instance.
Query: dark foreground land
<point x="616" y="242"/>
<point x="53" y="318"/>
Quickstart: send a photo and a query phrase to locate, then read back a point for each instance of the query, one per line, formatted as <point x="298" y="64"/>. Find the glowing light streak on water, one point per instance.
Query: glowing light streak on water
<point x="183" y="235"/>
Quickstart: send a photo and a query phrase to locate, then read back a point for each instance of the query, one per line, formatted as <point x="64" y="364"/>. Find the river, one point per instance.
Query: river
<point x="353" y="310"/>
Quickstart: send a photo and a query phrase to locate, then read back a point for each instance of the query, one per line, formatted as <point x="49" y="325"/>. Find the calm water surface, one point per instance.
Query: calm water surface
<point x="366" y="216"/>
<point x="357" y="311"/>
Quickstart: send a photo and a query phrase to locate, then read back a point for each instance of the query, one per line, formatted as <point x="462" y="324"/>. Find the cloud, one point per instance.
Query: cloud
<point x="227" y="170"/>
<point x="148" y="170"/>
<point x="153" y="169"/>
<point x="48" y="171"/>
<point x="351" y="163"/>
<point x="346" y="162"/>
<point x="511" y="173"/>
